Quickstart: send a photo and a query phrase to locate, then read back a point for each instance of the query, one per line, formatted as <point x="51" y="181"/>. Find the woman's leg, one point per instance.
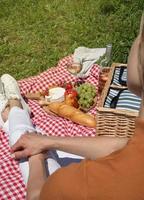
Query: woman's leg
<point x="19" y="122"/>
<point x="15" y="122"/>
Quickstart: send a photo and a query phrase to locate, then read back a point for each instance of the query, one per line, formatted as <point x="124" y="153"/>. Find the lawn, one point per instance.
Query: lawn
<point x="35" y="34"/>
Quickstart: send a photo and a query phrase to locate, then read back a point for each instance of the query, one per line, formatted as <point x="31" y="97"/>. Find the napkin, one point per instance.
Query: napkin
<point x="87" y="57"/>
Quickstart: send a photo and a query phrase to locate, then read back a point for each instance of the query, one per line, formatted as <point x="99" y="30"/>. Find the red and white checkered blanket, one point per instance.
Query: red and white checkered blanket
<point x="11" y="183"/>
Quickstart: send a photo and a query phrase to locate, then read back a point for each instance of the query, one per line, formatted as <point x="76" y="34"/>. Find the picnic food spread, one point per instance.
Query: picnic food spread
<point x="71" y="102"/>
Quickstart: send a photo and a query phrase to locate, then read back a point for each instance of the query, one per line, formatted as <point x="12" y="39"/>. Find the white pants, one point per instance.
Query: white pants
<point x="18" y="123"/>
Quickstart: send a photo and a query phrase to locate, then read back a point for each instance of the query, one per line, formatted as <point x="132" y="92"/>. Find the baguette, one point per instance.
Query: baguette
<point x="71" y="113"/>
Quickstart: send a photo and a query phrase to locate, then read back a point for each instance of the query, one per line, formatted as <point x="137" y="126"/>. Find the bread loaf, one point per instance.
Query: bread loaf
<point x="71" y="113"/>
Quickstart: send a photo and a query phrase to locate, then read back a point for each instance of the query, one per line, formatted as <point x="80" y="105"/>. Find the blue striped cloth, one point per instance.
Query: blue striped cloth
<point x="122" y="99"/>
<point x="111" y="94"/>
<point x="128" y="101"/>
<point x="120" y="76"/>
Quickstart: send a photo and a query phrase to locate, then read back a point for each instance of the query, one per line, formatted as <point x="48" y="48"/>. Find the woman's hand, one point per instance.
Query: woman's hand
<point x="29" y="144"/>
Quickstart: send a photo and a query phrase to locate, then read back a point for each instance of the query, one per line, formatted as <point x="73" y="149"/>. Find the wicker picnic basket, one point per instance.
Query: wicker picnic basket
<point x="110" y="121"/>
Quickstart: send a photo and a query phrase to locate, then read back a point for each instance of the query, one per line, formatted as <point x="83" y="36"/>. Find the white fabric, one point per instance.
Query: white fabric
<point x="53" y="165"/>
<point x="18" y="123"/>
<point x="87" y="57"/>
<point x="62" y="154"/>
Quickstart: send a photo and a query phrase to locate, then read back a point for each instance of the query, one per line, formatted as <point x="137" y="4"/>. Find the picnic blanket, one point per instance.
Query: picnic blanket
<point x="11" y="182"/>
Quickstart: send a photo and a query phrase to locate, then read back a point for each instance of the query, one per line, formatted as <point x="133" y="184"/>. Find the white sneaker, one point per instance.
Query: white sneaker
<point x="12" y="90"/>
<point x="3" y="102"/>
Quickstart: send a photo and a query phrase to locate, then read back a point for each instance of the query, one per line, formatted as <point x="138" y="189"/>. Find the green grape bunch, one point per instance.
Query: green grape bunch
<point x="86" y="95"/>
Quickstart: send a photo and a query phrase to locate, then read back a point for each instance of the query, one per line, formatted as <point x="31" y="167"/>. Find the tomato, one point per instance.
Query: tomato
<point x="67" y="92"/>
<point x="74" y="93"/>
<point x="69" y="86"/>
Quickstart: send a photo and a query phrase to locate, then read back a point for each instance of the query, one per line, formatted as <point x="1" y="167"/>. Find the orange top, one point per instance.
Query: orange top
<point x="119" y="176"/>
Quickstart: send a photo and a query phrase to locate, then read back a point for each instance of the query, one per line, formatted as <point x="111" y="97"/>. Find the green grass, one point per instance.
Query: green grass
<point x="35" y="34"/>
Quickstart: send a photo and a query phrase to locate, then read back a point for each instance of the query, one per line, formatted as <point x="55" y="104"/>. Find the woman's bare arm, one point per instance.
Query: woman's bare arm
<point x="88" y="147"/>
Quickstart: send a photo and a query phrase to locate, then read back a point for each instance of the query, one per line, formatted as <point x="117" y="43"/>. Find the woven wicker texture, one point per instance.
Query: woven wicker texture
<point x="114" y="122"/>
